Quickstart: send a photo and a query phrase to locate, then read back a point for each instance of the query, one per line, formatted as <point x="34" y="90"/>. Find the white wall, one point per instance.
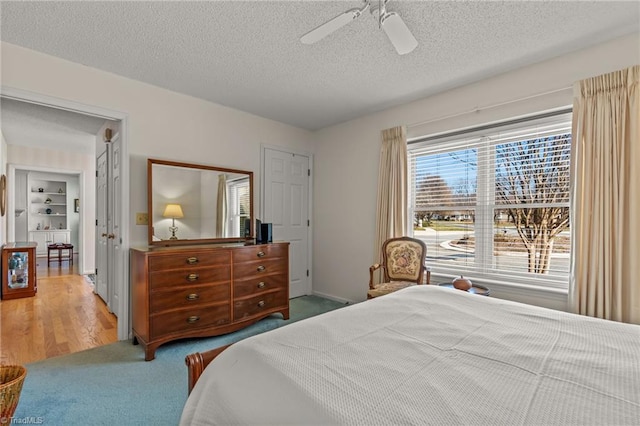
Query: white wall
<point x="20" y="203"/>
<point x="347" y="156"/>
<point x="162" y="124"/>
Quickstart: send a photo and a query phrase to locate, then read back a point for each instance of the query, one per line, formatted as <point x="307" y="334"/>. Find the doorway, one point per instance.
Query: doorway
<point x="119" y="281"/>
<point x="42" y="199"/>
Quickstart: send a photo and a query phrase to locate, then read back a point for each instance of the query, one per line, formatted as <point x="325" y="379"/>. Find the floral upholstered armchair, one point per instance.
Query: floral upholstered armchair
<point x="403" y="265"/>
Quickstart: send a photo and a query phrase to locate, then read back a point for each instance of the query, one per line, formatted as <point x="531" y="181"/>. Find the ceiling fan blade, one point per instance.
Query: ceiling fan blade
<point x="398" y="33"/>
<point x="327" y="28"/>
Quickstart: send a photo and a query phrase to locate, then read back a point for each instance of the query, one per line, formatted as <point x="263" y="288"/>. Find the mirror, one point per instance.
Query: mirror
<point x="192" y="203"/>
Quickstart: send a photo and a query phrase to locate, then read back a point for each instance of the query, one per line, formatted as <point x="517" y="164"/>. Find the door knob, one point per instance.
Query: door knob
<point x="111" y="236"/>
<point x="103" y="235"/>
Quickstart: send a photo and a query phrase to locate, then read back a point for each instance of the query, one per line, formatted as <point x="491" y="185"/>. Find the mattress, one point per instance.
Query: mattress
<point x="427" y="355"/>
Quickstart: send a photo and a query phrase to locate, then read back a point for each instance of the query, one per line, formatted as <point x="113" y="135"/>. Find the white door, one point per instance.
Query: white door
<point x="286" y="206"/>
<point x="116" y="253"/>
<point x="101" y="229"/>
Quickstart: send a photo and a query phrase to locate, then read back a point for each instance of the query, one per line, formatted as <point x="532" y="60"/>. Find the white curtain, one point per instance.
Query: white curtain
<point x="221" y="212"/>
<point x="605" y="197"/>
<point x="391" y="220"/>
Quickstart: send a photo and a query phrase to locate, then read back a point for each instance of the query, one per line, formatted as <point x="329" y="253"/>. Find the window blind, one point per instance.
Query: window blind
<point x="493" y="202"/>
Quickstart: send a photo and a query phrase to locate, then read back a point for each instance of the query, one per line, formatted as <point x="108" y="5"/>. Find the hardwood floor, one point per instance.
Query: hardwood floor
<point x="65" y="316"/>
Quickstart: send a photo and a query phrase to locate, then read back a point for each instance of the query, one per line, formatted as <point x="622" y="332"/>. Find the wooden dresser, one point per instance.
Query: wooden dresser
<point x="205" y="290"/>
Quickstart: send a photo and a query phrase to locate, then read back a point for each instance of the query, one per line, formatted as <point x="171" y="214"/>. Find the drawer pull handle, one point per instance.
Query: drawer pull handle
<point x="261" y="254"/>
<point x="192" y="277"/>
<point x="193" y="319"/>
<point x="261" y="268"/>
<point x="192" y="260"/>
<point x="193" y="296"/>
<point x="261" y="304"/>
<point x="261" y="284"/>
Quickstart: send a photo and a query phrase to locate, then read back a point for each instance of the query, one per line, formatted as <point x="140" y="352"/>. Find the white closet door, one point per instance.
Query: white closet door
<point x="286" y="206"/>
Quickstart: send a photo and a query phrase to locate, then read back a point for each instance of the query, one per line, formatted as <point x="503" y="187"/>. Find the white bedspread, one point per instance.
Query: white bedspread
<point x="427" y="355"/>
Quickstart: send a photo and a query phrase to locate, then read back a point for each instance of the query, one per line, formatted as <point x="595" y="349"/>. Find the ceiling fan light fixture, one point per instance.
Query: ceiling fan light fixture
<point x="392" y="24"/>
<point x="398" y="33"/>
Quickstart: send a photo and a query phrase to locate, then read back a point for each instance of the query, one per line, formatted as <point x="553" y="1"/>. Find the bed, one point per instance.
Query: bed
<point x="425" y="355"/>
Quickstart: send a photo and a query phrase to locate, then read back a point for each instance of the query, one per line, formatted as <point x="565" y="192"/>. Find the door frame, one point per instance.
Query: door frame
<point x="121" y="278"/>
<point x="263" y="148"/>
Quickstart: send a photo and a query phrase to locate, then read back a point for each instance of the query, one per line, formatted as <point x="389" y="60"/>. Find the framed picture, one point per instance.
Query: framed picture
<point x="76" y="205"/>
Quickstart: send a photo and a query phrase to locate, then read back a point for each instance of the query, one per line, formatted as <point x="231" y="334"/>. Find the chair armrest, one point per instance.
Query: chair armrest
<point x="372" y="269"/>
<point x="427" y="274"/>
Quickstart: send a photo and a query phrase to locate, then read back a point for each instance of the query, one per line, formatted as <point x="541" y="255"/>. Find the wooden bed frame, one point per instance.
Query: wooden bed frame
<point x="197" y="362"/>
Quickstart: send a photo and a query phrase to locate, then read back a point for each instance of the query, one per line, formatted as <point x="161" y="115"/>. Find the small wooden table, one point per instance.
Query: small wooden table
<point x="60" y="247"/>
<point x="475" y="289"/>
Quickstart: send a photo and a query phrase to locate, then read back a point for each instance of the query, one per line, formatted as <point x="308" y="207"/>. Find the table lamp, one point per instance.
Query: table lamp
<point x="174" y="211"/>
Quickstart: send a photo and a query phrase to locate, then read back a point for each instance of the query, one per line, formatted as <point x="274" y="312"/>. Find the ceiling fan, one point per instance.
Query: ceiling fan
<point x="390" y="22"/>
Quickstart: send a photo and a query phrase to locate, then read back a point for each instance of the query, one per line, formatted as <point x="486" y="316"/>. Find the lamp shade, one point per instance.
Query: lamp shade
<point x="173" y="211"/>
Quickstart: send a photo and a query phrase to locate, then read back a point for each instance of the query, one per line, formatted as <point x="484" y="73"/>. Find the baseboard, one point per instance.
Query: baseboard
<point x="334" y="298"/>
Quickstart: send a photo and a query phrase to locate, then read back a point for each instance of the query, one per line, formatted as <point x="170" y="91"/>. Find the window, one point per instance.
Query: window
<point x="239" y="206"/>
<point x="493" y="202"/>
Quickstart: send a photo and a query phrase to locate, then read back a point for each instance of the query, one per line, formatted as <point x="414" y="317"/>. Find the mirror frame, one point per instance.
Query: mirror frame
<point x="152" y="161"/>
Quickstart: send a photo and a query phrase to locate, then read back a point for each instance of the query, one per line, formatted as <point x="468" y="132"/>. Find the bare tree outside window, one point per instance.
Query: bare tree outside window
<point x="532" y="186"/>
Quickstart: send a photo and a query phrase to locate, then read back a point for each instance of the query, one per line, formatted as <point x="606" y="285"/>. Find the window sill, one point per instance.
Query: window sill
<point x="547" y="297"/>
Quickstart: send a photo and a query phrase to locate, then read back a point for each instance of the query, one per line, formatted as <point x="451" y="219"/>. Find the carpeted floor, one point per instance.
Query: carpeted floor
<point x="113" y="384"/>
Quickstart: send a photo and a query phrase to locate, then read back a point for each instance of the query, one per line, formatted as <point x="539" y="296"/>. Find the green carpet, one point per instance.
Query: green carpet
<point x="113" y="384"/>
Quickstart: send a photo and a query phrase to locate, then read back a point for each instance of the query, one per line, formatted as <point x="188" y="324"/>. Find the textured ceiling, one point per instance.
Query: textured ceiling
<point x="247" y="54"/>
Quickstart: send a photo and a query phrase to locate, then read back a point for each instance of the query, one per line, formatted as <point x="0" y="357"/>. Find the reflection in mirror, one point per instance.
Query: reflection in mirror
<point x="194" y="202"/>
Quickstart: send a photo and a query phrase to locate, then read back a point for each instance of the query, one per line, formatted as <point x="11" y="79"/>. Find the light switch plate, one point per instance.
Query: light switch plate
<point x="142" y="218"/>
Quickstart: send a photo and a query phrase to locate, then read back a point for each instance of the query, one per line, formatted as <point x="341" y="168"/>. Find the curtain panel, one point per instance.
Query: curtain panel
<point x="605" y="197"/>
<point x="221" y="209"/>
<point x="392" y="199"/>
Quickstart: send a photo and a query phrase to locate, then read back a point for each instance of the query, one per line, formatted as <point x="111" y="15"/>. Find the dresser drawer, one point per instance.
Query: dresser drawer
<point x="189" y="276"/>
<point x="263" y="251"/>
<point x="189" y="259"/>
<point x="257" y="285"/>
<point x="189" y="319"/>
<point x="259" y="268"/>
<point x="189" y="297"/>
<point x="258" y="304"/>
